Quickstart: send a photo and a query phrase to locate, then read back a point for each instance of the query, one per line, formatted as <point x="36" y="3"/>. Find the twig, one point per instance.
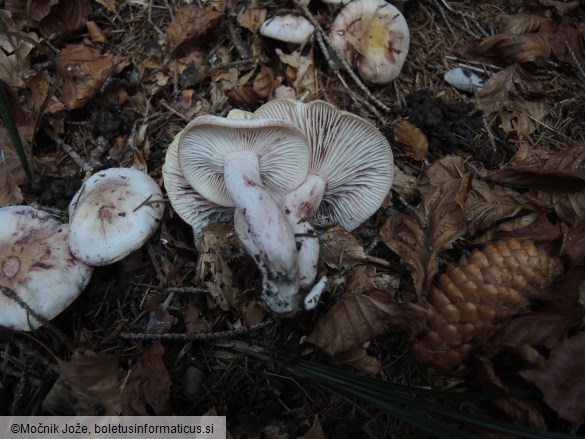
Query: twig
<point x="156" y="28"/>
<point x="11" y="294"/>
<point x="79" y="161"/>
<point x="236" y="39"/>
<point x="184" y="290"/>
<point x="197" y="336"/>
<point x="576" y="62"/>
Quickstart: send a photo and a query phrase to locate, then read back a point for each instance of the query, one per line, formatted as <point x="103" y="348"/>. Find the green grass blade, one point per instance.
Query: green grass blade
<point x="10" y="124"/>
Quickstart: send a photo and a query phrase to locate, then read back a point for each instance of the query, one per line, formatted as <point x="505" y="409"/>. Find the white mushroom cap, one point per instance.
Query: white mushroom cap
<point x="373" y="36"/>
<point x="35" y="262"/>
<point x="114" y="213"/>
<point x="207" y="140"/>
<point x="349" y="153"/>
<point x="293" y="29"/>
<point x="190" y="205"/>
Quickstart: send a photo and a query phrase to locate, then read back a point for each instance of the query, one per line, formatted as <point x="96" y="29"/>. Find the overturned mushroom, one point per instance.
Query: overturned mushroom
<point x="36" y="264"/>
<point x="350" y="173"/>
<point x="114" y="213"/>
<point x="373" y="36"/>
<point x="248" y="163"/>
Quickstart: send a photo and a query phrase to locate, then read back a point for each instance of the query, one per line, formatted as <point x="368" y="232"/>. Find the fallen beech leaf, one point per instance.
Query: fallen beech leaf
<point x="561" y="33"/>
<point x="404" y="184"/>
<point x="508" y="49"/>
<point x="420" y="237"/>
<point x="357" y="318"/>
<point x="95" y="33"/>
<point x="93" y="377"/>
<point x="146" y="390"/>
<point x="84" y="71"/>
<point x="339" y="248"/>
<point x="252" y="16"/>
<point x="561" y="7"/>
<point x="359" y="359"/>
<point x="411" y="136"/>
<point x="14" y="54"/>
<point x="502" y="96"/>
<point x="213" y="270"/>
<point x="190" y="26"/>
<point x="65" y="16"/>
<point x="557" y="182"/>
<point x="520" y="24"/>
<point x="29" y="13"/>
<point x="574" y="244"/>
<point x="302" y="67"/>
<point x="561" y="379"/>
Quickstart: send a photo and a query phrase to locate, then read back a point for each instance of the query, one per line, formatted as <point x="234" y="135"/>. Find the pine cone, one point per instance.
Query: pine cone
<point x="476" y="297"/>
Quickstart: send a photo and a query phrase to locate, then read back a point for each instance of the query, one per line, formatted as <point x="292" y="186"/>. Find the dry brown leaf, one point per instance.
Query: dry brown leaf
<point x="487" y="205"/>
<point x="190" y="26"/>
<point x="301" y="68"/>
<point x="253" y="87"/>
<point x="561" y="7"/>
<point x="252" y="16"/>
<point x="502" y="96"/>
<point x="213" y="270"/>
<point x="93" y="377"/>
<point x="29" y="13"/>
<point x="420" y="237"/>
<point x="84" y="71"/>
<point x="95" y="33"/>
<point x="411" y="136"/>
<point x="357" y="318"/>
<point x="404" y="184"/>
<point x="147" y="388"/>
<point x="195" y="320"/>
<point x="561" y="378"/>
<point x="359" y="359"/>
<point x="562" y="32"/>
<point x="520" y="24"/>
<point x="14" y="54"/>
<point x="556" y="182"/>
<point x="507" y="49"/>
<point x="339" y="248"/>
<point x="65" y="16"/>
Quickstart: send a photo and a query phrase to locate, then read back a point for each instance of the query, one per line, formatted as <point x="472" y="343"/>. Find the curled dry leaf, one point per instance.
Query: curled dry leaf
<point x="507" y="49"/>
<point x="84" y="71"/>
<point x="557" y="181"/>
<point x="95" y="33"/>
<point x="409" y="135"/>
<point x="561" y="378"/>
<point x="339" y="248"/>
<point x="520" y="24"/>
<point x="420" y="237"/>
<point x="147" y="388"/>
<point x="301" y="70"/>
<point x="359" y="358"/>
<point x="503" y="97"/>
<point x="252" y="16"/>
<point x="561" y="33"/>
<point x="366" y="310"/>
<point x="190" y="26"/>
<point x="65" y="16"/>
<point x="213" y="270"/>
<point x="404" y="184"/>
<point x="249" y="90"/>
<point x="89" y="376"/>
<point x="14" y="54"/>
<point x="29" y="13"/>
<point x="477" y="296"/>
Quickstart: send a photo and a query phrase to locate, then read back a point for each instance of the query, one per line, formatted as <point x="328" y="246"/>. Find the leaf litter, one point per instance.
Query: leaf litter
<point x="474" y="173"/>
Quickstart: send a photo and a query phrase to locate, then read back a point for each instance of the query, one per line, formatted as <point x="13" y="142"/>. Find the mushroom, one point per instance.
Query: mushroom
<point x="36" y="264"/>
<point x="190" y="205"/>
<point x="350" y="174"/>
<point x="248" y="164"/>
<point x="114" y="213"/>
<point x="373" y="36"/>
<point x="292" y="29"/>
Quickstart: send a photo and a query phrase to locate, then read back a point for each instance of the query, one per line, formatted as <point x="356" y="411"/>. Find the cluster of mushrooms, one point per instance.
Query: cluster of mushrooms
<point x="47" y="264"/>
<point x="372" y="36"/>
<point x="273" y="172"/>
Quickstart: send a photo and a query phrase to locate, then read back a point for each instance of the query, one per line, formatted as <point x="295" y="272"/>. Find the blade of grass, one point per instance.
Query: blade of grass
<point x="10" y="124"/>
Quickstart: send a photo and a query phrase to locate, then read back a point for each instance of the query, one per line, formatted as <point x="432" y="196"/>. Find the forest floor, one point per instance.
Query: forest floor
<point x="105" y="83"/>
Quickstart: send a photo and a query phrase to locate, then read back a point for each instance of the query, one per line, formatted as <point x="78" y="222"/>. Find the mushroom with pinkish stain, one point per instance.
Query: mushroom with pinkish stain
<point x="248" y="164"/>
<point x="114" y="213"/>
<point x="37" y="267"/>
<point x="373" y="37"/>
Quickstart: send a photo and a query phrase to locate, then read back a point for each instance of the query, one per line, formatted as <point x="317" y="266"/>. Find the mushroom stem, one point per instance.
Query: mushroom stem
<point x="264" y="232"/>
<point x="298" y="206"/>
